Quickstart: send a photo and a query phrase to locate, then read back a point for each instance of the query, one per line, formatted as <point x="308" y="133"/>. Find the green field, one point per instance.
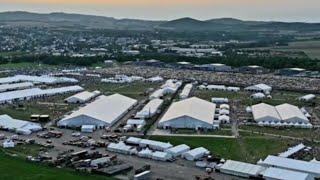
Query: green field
<point x="12" y="168"/>
<point x="292" y="132"/>
<point x="37" y="107"/>
<point x="134" y="90"/>
<point x="225" y="132"/>
<point x="310" y="48"/>
<point x="248" y="148"/>
<point x="24" y="66"/>
<point x="16" y="168"/>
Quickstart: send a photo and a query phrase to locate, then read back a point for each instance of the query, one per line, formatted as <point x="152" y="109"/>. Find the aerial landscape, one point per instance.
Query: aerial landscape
<point x="159" y="90"/>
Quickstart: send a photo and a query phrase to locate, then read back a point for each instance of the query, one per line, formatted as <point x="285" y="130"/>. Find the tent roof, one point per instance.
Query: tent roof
<point x="105" y="108"/>
<point x="193" y="107"/>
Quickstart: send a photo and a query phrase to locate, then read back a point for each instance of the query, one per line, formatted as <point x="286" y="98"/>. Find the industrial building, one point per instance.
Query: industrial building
<point x="18" y="126"/>
<point x="278" y="115"/>
<point x="103" y="112"/>
<point x="150" y="109"/>
<point x="311" y="168"/>
<point x="263" y="88"/>
<point x="82" y="97"/>
<point x="241" y="169"/>
<point x="192" y="113"/>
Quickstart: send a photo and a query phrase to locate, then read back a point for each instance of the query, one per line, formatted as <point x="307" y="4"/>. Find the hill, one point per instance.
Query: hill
<point x="20" y="18"/>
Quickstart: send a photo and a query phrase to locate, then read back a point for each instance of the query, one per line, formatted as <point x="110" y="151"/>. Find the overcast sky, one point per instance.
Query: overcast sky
<point x="272" y="10"/>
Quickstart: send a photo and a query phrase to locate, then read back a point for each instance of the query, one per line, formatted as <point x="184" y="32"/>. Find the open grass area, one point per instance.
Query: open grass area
<point x="311" y="48"/>
<point x="225" y="132"/>
<point x="24" y="66"/>
<point x="24" y="150"/>
<point x="248" y="149"/>
<point x="51" y="106"/>
<point x="134" y="90"/>
<point x="293" y="132"/>
<point x="13" y="168"/>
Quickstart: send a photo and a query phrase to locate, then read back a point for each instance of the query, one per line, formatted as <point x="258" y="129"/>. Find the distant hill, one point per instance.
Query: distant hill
<point x="184" y="24"/>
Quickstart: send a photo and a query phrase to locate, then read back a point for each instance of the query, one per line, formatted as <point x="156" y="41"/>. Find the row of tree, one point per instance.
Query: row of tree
<point x="231" y="60"/>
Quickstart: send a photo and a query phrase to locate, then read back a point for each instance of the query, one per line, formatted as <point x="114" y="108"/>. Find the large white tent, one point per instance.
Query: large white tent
<point x="26" y="94"/>
<point x="15" y="86"/>
<point x="18" y="126"/>
<point x="313" y="169"/>
<point x="290" y="113"/>
<point x="191" y="113"/>
<point x="37" y="79"/>
<point x="103" y="112"/>
<point x="281" y="115"/>
<point x="178" y="150"/>
<point x="263" y="88"/>
<point x="150" y="109"/>
<point x="241" y="169"/>
<point x="186" y="91"/>
<point x="282" y="174"/>
<point x="81" y="97"/>
<point x="265" y="113"/>
<point x="195" y="154"/>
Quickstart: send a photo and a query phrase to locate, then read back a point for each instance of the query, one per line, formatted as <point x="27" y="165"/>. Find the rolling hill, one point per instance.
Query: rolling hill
<point x="20" y="18"/>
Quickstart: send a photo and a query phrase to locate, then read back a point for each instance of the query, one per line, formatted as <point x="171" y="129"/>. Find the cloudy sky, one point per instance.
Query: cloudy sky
<point x="280" y="10"/>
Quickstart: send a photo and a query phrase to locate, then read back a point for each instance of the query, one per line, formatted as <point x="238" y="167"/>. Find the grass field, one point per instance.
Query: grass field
<point x="24" y="66"/>
<point x="299" y="133"/>
<point x="23" y="150"/>
<point x="16" y="168"/>
<point x="134" y="90"/>
<point x="248" y="149"/>
<point x="225" y="132"/>
<point x="37" y="107"/>
<point x="12" y="168"/>
<point x="310" y="48"/>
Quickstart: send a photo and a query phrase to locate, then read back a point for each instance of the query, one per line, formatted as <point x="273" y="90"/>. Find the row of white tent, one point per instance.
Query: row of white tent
<point x="27" y="94"/>
<point x="45" y="79"/>
<point x="219" y="88"/>
<point x="272" y="168"/>
<point x="15" y="86"/>
<point x="285" y="124"/>
<point x="166" y="148"/>
<point x="170" y="87"/>
<point x="18" y="126"/>
<point x="120" y="79"/>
